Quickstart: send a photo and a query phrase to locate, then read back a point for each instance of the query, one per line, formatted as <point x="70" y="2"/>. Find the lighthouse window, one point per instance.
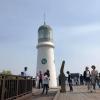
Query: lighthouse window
<point x="41" y="34"/>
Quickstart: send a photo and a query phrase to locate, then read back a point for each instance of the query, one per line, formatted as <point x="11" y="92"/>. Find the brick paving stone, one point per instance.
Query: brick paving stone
<point x="36" y="94"/>
<point x="79" y="93"/>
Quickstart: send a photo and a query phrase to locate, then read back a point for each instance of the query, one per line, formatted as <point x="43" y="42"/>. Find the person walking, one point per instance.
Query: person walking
<point x="40" y="79"/>
<point x="70" y="81"/>
<point x="98" y="80"/>
<point x="45" y="83"/>
<point x="86" y="75"/>
<point x="81" y="79"/>
<point x="94" y="74"/>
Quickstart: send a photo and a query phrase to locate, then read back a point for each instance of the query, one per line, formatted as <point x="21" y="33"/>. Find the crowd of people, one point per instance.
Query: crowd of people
<point x="42" y="81"/>
<point x="89" y="78"/>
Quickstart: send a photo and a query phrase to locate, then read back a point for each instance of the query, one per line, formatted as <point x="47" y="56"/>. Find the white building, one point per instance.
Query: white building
<point x="45" y="53"/>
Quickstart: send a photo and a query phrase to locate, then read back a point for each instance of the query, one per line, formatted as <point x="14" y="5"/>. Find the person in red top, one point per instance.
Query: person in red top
<point x="40" y="80"/>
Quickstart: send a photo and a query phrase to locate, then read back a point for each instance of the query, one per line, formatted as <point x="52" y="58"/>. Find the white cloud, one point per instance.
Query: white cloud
<point x="84" y="29"/>
<point x="80" y="30"/>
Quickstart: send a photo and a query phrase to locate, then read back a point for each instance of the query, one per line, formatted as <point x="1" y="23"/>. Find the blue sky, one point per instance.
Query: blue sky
<point x="76" y="30"/>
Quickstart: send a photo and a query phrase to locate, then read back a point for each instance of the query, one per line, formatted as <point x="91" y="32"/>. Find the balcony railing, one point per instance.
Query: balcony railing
<point x="12" y="86"/>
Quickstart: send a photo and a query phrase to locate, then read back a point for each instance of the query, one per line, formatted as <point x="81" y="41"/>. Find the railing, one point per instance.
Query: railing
<point x="12" y="86"/>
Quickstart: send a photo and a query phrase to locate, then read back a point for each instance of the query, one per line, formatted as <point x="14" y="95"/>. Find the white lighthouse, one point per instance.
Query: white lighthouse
<point x="45" y="53"/>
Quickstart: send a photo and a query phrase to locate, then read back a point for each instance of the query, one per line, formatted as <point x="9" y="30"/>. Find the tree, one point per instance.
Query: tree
<point x="6" y="72"/>
<point x="25" y="68"/>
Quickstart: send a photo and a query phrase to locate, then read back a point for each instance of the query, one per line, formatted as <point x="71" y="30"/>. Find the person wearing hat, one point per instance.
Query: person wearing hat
<point x="86" y="75"/>
<point x="94" y="74"/>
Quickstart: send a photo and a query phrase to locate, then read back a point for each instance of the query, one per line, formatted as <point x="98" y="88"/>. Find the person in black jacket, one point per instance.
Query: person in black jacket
<point x="48" y="74"/>
<point x="86" y="75"/>
<point x="70" y="81"/>
<point x="81" y="79"/>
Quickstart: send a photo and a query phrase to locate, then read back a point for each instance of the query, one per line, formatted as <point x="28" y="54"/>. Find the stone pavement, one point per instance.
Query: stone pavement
<point x="36" y="95"/>
<point x="79" y="93"/>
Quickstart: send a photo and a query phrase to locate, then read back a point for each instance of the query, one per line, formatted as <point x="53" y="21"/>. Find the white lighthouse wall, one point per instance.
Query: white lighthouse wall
<point x="48" y="53"/>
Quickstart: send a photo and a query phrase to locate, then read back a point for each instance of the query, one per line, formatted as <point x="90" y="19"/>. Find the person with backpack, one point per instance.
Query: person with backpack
<point x="87" y="75"/>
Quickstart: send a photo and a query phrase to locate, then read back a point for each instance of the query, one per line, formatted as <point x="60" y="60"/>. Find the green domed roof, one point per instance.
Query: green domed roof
<point x="45" y="27"/>
<point x="45" y="33"/>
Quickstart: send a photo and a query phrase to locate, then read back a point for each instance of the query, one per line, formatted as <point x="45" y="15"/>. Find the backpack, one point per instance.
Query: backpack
<point x="85" y="74"/>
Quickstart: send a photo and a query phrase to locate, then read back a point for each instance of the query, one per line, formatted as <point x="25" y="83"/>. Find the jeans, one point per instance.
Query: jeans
<point x="45" y="87"/>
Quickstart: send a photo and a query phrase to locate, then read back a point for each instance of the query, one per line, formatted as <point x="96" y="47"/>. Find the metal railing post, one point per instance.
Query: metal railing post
<point x="3" y="88"/>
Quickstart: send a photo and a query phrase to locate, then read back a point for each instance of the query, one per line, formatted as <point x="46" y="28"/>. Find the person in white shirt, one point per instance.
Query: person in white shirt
<point x="37" y="80"/>
<point x="45" y="83"/>
<point x="86" y="75"/>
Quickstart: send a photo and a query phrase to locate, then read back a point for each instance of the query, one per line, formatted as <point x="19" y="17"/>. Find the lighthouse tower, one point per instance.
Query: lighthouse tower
<point x="45" y="53"/>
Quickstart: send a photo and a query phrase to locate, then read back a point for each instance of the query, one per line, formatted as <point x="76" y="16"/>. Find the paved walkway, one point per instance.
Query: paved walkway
<point x="79" y="93"/>
<point x="36" y="95"/>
